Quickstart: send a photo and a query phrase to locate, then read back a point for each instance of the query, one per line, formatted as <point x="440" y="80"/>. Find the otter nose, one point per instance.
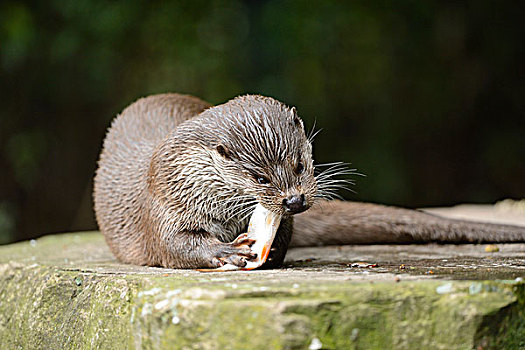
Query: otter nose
<point x="294" y="204"/>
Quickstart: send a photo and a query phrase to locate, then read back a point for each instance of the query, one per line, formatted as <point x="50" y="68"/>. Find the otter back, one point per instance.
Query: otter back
<point x="123" y="166"/>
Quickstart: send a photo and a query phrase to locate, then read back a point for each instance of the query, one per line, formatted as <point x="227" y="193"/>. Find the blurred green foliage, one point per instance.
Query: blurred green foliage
<point x="424" y="97"/>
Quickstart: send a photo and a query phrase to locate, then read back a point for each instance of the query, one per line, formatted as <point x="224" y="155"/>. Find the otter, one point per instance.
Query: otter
<point x="177" y="180"/>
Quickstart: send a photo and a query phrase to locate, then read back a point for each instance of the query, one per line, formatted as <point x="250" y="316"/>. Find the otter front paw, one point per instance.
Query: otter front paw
<point x="235" y="253"/>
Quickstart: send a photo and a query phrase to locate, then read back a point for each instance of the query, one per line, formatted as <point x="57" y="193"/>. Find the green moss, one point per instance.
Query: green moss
<point x="505" y="328"/>
<point x="357" y="315"/>
<point x="46" y="303"/>
<point x="45" y="309"/>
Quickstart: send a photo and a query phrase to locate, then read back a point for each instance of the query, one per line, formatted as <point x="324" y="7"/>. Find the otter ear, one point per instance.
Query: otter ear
<point x="223" y="151"/>
<point x="296" y="120"/>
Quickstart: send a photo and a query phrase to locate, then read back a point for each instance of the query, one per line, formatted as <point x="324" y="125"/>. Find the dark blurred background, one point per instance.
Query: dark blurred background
<point x="426" y="98"/>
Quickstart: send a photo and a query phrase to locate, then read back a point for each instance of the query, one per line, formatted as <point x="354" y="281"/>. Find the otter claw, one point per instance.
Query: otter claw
<point x="234" y="260"/>
<point x="217" y="262"/>
<point x="228" y="253"/>
<point x="243" y="239"/>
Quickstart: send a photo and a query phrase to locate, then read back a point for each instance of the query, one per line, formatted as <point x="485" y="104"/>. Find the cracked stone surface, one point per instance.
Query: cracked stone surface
<point x="68" y="291"/>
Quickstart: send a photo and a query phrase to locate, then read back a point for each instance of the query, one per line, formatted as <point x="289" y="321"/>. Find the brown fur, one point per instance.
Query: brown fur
<point x="177" y="181"/>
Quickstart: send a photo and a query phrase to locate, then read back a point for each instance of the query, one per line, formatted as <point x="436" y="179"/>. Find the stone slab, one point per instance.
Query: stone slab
<point x="67" y="291"/>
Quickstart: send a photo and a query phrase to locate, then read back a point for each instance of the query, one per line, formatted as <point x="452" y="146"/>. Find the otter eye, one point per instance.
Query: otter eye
<point x="300" y="168"/>
<point x="262" y="179"/>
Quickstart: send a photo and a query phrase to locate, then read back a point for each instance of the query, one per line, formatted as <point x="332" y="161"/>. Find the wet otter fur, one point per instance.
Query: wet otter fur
<point x="178" y="179"/>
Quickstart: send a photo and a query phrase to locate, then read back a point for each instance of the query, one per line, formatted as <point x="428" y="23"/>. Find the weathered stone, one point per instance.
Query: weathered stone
<point x="68" y="292"/>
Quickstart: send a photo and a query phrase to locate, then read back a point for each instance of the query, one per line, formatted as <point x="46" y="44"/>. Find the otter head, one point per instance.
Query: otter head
<point x="260" y="148"/>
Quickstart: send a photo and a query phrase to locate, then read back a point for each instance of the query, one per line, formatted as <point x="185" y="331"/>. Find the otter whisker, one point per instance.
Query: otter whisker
<point x="235" y="203"/>
<point x="241" y="209"/>
<point x="339" y="173"/>
<point x="331" y="177"/>
<point x="340" y="170"/>
<point x="238" y="211"/>
<point x="335" y="187"/>
<point x="240" y="205"/>
<point x="330" y="164"/>
<point x="229" y="197"/>
<point x="232" y="199"/>
<point x="328" y="185"/>
<point x="333" y="165"/>
<point x="313" y="133"/>
<point x="248" y="213"/>
<point x="328" y="195"/>
<point x="327" y="191"/>
<point x="244" y="212"/>
<point x="331" y="181"/>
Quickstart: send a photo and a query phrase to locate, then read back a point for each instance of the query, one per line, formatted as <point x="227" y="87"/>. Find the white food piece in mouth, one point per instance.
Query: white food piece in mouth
<point x="262" y="228"/>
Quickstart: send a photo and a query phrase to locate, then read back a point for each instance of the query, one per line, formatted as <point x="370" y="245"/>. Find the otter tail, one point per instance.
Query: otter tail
<point x="338" y="222"/>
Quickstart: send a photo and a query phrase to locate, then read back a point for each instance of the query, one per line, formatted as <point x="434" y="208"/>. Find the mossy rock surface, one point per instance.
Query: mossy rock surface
<point x="68" y="292"/>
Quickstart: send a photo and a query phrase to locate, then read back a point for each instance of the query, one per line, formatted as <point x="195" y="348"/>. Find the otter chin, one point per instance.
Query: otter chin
<point x="178" y="180"/>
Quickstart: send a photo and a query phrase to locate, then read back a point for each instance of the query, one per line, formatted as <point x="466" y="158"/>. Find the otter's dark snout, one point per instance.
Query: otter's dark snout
<point x="295" y="204"/>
